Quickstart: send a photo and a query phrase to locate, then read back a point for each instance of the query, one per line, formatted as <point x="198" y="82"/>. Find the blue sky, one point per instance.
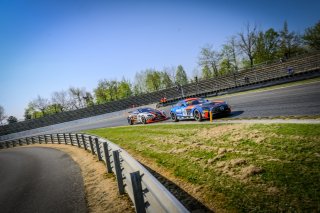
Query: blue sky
<point x="48" y="46"/>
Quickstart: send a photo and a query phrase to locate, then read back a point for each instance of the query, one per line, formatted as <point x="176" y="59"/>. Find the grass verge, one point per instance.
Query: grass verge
<point x="233" y="168"/>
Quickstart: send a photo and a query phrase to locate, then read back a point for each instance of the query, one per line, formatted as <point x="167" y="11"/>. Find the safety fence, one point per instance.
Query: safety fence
<point x="145" y="191"/>
<point x="284" y="69"/>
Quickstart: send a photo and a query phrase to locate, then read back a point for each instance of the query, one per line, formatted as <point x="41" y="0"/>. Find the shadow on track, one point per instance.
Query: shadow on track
<point x="235" y="114"/>
<point x="191" y="203"/>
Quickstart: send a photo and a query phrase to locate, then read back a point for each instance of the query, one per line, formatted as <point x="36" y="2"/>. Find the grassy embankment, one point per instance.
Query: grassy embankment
<point x="241" y="168"/>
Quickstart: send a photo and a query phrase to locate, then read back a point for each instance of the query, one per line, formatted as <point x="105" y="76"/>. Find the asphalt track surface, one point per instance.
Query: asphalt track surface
<point x="36" y="179"/>
<point x="288" y="100"/>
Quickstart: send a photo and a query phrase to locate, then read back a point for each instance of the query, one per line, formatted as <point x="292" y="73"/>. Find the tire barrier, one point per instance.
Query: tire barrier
<point x="145" y="191"/>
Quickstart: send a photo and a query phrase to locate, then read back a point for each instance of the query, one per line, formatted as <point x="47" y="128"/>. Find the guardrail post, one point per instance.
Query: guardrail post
<point x="45" y="139"/>
<point x="51" y="137"/>
<point x="107" y="157"/>
<point x="39" y="139"/>
<point x="64" y="138"/>
<point x="96" y="140"/>
<point x="7" y="144"/>
<point x="117" y="166"/>
<point x="20" y="142"/>
<point x="14" y="143"/>
<point x="137" y="192"/>
<point x="32" y="140"/>
<point x="91" y="145"/>
<point x="78" y="142"/>
<point x="27" y="141"/>
<point x="70" y="137"/>
<point x="84" y="142"/>
<point x="58" y="137"/>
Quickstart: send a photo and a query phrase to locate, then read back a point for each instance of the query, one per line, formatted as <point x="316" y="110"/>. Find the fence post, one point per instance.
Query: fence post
<point x="51" y="138"/>
<point x="71" y="141"/>
<point x="77" y="137"/>
<point x="137" y="192"/>
<point x="96" y="140"/>
<point x="58" y="137"/>
<point x="65" y="139"/>
<point x="84" y="142"/>
<point x="117" y="166"/>
<point x="107" y="157"/>
<point x="91" y="145"/>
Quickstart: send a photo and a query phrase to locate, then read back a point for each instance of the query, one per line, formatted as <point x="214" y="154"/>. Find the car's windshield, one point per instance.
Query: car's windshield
<point x="196" y="101"/>
<point x="146" y="110"/>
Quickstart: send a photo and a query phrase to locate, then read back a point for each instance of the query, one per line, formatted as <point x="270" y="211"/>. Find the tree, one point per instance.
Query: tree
<point x="312" y="36"/>
<point x="206" y="72"/>
<point x="77" y="97"/>
<point x="247" y="42"/>
<point x="166" y="81"/>
<point x="181" y="76"/>
<point x="2" y="114"/>
<point x="12" y="119"/>
<point x="290" y="42"/>
<point x="267" y="46"/>
<point x="40" y="104"/>
<point x="230" y="51"/>
<point x="89" y="99"/>
<point x="153" y="80"/>
<point x="209" y="58"/>
<point x="62" y="100"/>
<point x="124" y="89"/>
<point x="139" y="83"/>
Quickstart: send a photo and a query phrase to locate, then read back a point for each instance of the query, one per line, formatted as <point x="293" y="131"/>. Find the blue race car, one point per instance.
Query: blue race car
<point x="198" y="109"/>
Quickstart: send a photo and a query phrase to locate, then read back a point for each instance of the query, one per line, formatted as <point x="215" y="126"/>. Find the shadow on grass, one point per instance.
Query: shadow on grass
<point x="191" y="203"/>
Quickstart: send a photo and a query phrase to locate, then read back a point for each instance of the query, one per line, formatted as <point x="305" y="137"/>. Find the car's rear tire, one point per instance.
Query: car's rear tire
<point x="130" y="122"/>
<point x="174" y="117"/>
<point x="197" y="115"/>
<point x="144" y="120"/>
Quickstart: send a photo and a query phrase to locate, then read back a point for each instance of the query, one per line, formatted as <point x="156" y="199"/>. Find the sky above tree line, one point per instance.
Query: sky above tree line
<point x="48" y="46"/>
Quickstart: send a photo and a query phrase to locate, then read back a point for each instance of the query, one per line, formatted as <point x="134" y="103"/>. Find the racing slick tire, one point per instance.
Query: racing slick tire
<point x="130" y="122"/>
<point x="144" y="120"/>
<point x="174" y="117"/>
<point x="197" y="115"/>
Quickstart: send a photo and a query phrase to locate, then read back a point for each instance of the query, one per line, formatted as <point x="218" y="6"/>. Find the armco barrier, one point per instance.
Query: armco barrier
<point x="145" y="191"/>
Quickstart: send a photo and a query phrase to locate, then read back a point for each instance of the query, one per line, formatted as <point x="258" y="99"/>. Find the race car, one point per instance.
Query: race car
<point x="145" y="116"/>
<point x="198" y="109"/>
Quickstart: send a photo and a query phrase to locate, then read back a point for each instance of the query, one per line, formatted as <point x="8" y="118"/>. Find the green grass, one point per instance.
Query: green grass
<point x="287" y="156"/>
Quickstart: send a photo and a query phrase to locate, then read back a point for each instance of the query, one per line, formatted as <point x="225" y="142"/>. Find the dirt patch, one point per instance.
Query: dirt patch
<point x="250" y="171"/>
<point x="100" y="187"/>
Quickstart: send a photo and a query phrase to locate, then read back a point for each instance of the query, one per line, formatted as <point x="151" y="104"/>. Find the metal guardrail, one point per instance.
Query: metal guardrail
<point x="145" y="191"/>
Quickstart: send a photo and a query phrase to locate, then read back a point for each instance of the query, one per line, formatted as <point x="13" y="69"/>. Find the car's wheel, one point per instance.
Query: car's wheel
<point x="130" y="122"/>
<point x="174" y="117"/>
<point x="143" y="119"/>
<point x="197" y="115"/>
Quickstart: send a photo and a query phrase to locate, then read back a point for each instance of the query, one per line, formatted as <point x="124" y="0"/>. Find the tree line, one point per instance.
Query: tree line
<point x="243" y="50"/>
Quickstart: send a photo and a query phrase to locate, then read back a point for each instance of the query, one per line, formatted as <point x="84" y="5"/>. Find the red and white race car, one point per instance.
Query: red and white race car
<point x="146" y="115"/>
